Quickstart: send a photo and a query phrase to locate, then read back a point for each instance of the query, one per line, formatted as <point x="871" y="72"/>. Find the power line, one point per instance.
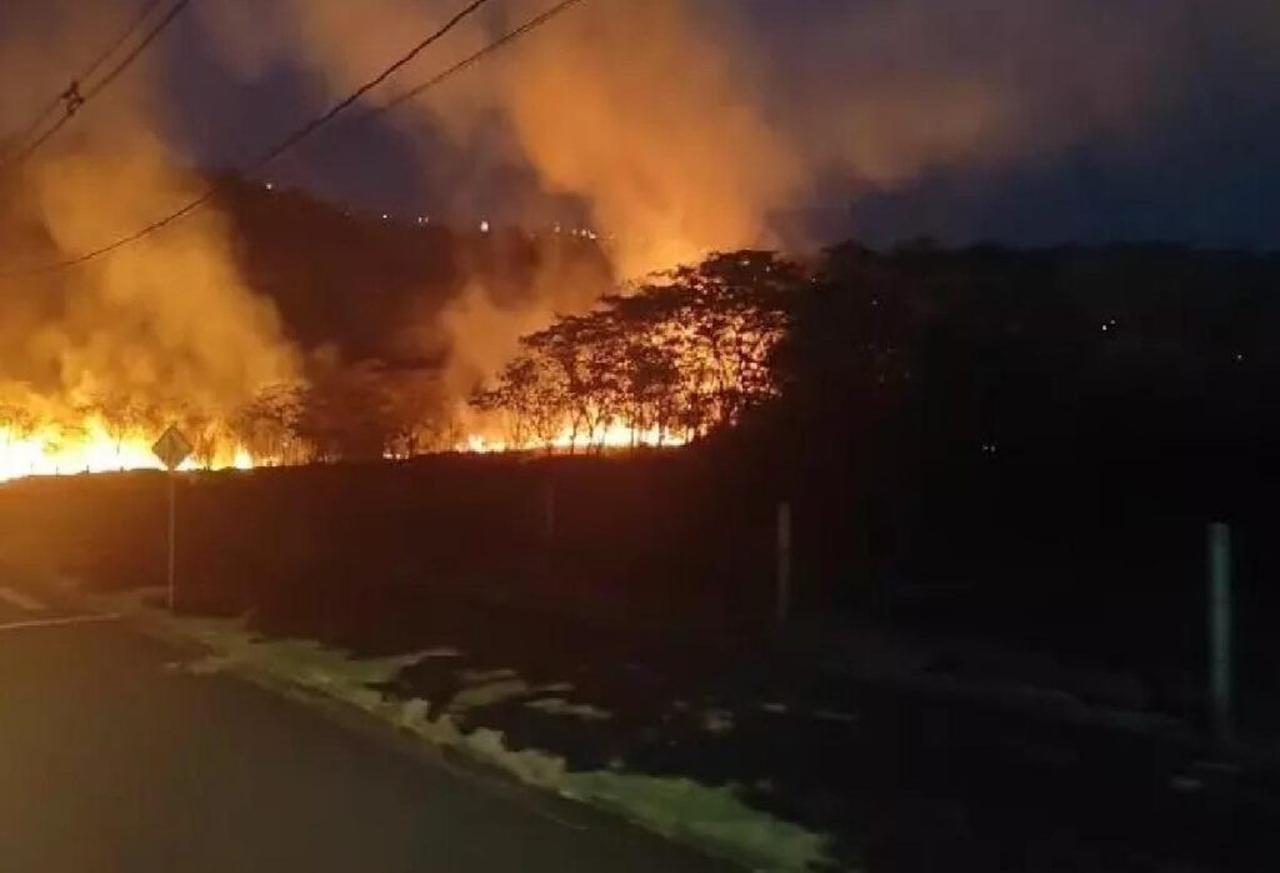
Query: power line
<point x="138" y="49"/>
<point x="74" y="97"/>
<point x="510" y="36"/>
<point x="311" y="126"/>
<point x="59" y="99"/>
<point x="274" y="152"/>
<point x="449" y="72"/>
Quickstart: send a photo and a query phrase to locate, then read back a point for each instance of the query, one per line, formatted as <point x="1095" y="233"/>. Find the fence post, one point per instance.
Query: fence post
<point x="1220" y="620"/>
<point x="783" y="579"/>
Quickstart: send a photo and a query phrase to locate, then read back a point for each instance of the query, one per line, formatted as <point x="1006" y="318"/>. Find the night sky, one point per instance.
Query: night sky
<point x="1201" y="169"/>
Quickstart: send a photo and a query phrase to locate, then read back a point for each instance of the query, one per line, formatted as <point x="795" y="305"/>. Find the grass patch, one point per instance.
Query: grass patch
<point x="714" y="817"/>
<point x="560" y="706"/>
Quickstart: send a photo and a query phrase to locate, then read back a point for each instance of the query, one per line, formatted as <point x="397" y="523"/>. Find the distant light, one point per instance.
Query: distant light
<point x="424" y="219"/>
<point x="484" y="227"/>
<point x="270" y="186"/>
<point x="557" y="228"/>
<point x="1239" y="357"/>
<point x="1105" y="327"/>
<point x="385" y="216"/>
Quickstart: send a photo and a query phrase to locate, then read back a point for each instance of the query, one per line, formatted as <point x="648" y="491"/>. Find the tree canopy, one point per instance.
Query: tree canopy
<point x="669" y="359"/>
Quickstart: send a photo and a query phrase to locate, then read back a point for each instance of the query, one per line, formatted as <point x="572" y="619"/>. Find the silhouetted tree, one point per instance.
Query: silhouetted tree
<point x="532" y="392"/>
<point x="688" y="351"/>
<point x="347" y="412"/>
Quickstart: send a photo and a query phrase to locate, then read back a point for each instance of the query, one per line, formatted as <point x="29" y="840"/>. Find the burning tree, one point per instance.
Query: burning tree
<point x="418" y="423"/>
<point x="532" y="393"/>
<point x="209" y="432"/>
<point x="268" y="425"/>
<point x="717" y="325"/>
<point x="346" y="412"/>
<point x="672" y="359"/>
<point x="124" y="417"/>
<point x="17" y="421"/>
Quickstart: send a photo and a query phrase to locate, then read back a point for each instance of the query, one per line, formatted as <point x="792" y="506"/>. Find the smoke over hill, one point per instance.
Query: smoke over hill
<point x="676" y="128"/>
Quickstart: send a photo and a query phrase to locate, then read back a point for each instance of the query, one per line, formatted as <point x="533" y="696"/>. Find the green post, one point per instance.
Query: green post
<point x="1220" y="619"/>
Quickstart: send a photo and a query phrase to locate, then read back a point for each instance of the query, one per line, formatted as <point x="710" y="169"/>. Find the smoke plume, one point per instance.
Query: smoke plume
<point x="168" y="320"/>
<point x="684" y="126"/>
<point x="678" y="126"/>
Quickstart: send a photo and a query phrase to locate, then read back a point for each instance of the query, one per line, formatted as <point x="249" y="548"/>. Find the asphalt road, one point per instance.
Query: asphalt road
<point x="111" y="760"/>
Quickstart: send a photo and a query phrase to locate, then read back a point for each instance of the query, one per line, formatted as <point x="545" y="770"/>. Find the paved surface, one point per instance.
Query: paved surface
<point x="110" y="760"/>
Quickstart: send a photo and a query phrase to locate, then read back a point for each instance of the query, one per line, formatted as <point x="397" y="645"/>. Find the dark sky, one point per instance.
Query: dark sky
<point x="373" y="166"/>
<point x="1204" y="171"/>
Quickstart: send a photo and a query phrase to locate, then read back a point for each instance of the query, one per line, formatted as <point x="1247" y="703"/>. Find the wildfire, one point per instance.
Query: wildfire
<point x="89" y="446"/>
<point x="58" y="450"/>
<point x="618" y="435"/>
<point x="671" y="361"/>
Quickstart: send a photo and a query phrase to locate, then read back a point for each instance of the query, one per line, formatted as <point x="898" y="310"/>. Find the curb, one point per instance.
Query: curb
<point x="480" y="751"/>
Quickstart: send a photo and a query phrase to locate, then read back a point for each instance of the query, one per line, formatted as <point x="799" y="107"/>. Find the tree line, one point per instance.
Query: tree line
<point x="913" y="357"/>
<point x="669" y="360"/>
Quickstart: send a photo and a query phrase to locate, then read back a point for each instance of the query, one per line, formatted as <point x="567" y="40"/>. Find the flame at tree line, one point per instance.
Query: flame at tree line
<point x="662" y="364"/>
<point x="111" y="433"/>
<point x="647" y="161"/>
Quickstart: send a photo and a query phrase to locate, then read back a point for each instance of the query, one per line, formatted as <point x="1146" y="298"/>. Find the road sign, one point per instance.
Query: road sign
<point x="172" y="448"/>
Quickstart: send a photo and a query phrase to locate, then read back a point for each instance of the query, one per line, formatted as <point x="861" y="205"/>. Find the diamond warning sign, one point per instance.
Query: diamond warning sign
<point x="172" y="448"/>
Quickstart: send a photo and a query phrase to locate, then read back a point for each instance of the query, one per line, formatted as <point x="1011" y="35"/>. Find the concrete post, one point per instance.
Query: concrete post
<point x="1220" y="620"/>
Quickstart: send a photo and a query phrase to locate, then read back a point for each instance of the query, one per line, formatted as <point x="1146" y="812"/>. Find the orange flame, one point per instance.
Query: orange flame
<point x="617" y="435"/>
<point x="56" y="450"/>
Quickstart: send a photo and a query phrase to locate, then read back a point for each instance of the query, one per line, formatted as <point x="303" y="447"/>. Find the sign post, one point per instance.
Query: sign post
<point x="172" y="449"/>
